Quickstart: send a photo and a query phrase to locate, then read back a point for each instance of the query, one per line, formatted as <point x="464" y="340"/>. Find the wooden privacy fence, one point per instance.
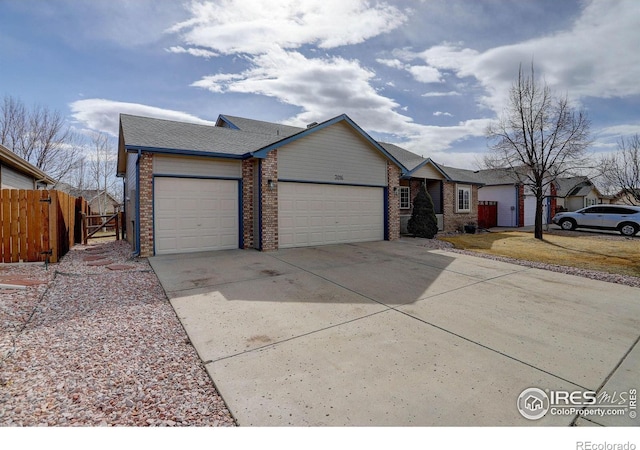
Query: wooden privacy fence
<point x="36" y="225"/>
<point x="487" y="214"/>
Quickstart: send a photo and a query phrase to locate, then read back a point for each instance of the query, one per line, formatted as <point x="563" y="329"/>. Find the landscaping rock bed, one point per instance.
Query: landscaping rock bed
<point x="96" y="345"/>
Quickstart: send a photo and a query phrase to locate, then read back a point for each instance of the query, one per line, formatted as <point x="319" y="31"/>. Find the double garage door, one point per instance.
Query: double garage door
<point x="317" y="214"/>
<point x="201" y="214"/>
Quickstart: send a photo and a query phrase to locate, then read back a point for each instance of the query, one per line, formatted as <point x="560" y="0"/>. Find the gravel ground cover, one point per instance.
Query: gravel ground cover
<point x="92" y="346"/>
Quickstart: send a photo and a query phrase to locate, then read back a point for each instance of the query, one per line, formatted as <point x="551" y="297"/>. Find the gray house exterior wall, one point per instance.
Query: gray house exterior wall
<point x="332" y="155"/>
<point x="12" y="179"/>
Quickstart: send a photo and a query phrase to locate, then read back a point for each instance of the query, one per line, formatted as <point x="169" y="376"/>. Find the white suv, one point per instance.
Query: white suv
<point x="625" y="219"/>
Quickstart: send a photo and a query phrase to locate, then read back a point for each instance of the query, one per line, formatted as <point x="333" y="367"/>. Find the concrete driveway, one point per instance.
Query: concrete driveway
<point x="389" y="333"/>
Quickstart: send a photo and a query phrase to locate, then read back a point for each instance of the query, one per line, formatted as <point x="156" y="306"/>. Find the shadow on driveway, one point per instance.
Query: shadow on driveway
<point x="389" y="333"/>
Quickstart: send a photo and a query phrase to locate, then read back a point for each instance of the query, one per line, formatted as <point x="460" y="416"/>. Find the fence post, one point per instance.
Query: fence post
<point x="6" y="225"/>
<point x="15" y="254"/>
<point x="54" y="238"/>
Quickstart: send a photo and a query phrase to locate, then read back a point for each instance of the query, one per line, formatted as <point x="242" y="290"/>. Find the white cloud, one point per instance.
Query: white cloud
<point x="192" y="51"/>
<point x="103" y="115"/>
<point x="441" y="94"/>
<point x="393" y="63"/>
<point x="425" y="74"/>
<point x="257" y="27"/>
<point x="627" y="129"/>
<point x="440" y="113"/>
<point x="596" y="57"/>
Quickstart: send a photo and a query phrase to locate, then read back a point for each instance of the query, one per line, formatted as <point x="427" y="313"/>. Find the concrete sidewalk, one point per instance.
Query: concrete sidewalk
<point x="388" y="333"/>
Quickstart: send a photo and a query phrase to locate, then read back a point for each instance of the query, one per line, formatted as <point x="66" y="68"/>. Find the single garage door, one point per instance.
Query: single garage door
<point x="195" y="215"/>
<point x="318" y="214"/>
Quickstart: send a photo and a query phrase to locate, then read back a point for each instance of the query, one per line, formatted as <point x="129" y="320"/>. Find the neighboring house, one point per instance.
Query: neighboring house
<point x="99" y="201"/>
<point x="17" y="173"/>
<point x="251" y="184"/>
<point x="516" y="205"/>
<point x="577" y="192"/>
<point x="626" y="198"/>
<point x="95" y="198"/>
<point x="454" y="191"/>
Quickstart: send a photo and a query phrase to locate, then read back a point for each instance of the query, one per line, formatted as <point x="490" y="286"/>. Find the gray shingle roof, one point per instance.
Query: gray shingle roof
<point x="405" y="157"/>
<point x="261" y="127"/>
<point x="566" y="185"/>
<point x="461" y="175"/>
<point x="167" y="134"/>
<point x="496" y="177"/>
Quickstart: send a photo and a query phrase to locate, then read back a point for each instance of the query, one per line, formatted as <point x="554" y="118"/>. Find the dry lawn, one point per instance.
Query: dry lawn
<point x="619" y="256"/>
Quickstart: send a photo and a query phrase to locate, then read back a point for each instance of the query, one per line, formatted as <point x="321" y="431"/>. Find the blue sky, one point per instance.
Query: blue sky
<point x="427" y="75"/>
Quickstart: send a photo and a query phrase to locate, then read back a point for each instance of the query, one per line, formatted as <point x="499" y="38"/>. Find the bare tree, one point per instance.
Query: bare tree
<point x="39" y="135"/>
<point x="621" y="170"/>
<point x="539" y="137"/>
<point x="102" y="168"/>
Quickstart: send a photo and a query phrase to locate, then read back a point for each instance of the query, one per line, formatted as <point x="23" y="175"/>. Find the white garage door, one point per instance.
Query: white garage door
<point x="195" y="215"/>
<point x="317" y="214"/>
<point x="529" y="210"/>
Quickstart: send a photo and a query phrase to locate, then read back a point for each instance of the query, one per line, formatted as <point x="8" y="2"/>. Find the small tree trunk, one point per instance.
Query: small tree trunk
<point x="538" y="222"/>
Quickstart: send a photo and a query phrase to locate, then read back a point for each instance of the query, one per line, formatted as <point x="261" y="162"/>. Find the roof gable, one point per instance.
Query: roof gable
<point x="262" y="153"/>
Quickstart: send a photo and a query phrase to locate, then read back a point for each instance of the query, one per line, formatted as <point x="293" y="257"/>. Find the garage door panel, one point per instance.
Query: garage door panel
<point x="317" y="214"/>
<point x="195" y="215"/>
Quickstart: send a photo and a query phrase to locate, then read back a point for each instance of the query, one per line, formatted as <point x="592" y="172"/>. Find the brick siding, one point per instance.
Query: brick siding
<point x="455" y="221"/>
<point x="248" y="210"/>
<point x="520" y="205"/>
<point x="146" y="205"/>
<point x="393" y="200"/>
<point x="269" y="231"/>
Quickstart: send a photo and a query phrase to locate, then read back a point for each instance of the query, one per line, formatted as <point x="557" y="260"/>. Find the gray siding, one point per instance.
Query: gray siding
<point x="197" y="167"/>
<point x="130" y="201"/>
<point x="336" y="154"/>
<point x="429" y="172"/>
<point x="12" y="179"/>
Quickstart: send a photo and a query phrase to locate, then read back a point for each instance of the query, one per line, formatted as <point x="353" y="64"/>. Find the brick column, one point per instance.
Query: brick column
<point x="450" y="224"/>
<point x="393" y="202"/>
<point x="146" y="204"/>
<point x="269" y="198"/>
<point x="554" y="200"/>
<point x="520" y="205"/>
<point x="247" y="202"/>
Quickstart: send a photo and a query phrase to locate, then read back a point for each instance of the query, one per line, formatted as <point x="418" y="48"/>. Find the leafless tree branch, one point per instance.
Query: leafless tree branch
<point x="539" y="138"/>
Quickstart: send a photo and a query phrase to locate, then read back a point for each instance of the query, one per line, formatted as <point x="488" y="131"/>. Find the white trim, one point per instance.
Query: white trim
<point x="464" y="188"/>
<point x="401" y="190"/>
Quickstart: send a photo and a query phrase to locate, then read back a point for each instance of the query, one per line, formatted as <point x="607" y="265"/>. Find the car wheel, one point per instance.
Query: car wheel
<point x="628" y="229"/>
<point x="567" y="224"/>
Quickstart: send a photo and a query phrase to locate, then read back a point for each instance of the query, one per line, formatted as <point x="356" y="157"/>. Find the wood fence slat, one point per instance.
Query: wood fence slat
<point x="6" y="226"/>
<point x="54" y="217"/>
<point x="22" y="232"/>
<point x="32" y="233"/>
<point x="43" y="225"/>
<point x="15" y="209"/>
<point x="37" y="223"/>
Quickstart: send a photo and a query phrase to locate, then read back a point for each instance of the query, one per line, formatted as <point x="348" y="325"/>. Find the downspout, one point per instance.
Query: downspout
<point x="137" y="230"/>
